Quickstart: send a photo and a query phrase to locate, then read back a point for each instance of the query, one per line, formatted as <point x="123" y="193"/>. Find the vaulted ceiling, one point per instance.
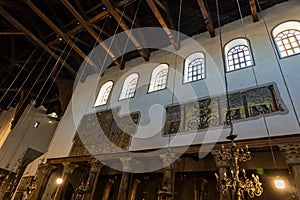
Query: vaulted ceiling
<point x="44" y="42"/>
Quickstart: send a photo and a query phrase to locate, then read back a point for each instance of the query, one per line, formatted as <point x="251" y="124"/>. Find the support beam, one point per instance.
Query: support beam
<point x="11" y="33"/>
<point x="207" y="18"/>
<point x="61" y="34"/>
<point x="37" y="41"/>
<point x="78" y="28"/>
<point x="162" y="23"/>
<point x="253" y="10"/>
<point x="118" y="18"/>
<point x="166" y="9"/>
<point x="91" y="31"/>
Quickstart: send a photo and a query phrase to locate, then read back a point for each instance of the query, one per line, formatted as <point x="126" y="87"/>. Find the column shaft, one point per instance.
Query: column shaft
<point x="67" y="173"/>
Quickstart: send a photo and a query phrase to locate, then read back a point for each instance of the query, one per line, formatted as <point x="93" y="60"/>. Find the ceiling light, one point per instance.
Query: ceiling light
<point x="279" y="183"/>
<point x="36" y="124"/>
<point x="59" y="181"/>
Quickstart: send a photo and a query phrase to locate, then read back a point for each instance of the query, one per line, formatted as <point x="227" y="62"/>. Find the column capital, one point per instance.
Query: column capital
<point x="69" y="167"/>
<point x="96" y="166"/>
<point x="168" y="158"/>
<point x="291" y="153"/>
<point x="127" y="163"/>
<point x="219" y="162"/>
<point x="45" y="168"/>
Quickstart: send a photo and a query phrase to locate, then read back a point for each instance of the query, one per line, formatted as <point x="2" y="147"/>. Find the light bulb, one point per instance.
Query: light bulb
<point x="59" y="181"/>
<point x="279" y="183"/>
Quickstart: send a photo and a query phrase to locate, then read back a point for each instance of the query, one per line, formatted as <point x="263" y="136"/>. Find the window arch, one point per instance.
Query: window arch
<point x="238" y="54"/>
<point x="104" y="93"/>
<point x="159" y="78"/>
<point x="287" y="38"/>
<point x="194" y="67"/>
<point x="129" y="86"/>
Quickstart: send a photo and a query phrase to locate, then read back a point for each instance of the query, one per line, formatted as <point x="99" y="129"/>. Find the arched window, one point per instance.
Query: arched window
<point x="238" y="54"/>
<point x="129" y="86"/>
<point x="287" y="38"/>
<point x="159" y="78"/>
<point x="104" y="94"/>
<point x="194" y="67"/>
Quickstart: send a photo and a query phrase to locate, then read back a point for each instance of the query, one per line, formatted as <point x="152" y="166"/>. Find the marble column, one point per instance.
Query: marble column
<point x="42" y="176"/>
<point x="169" y="175"/>
<point x="126" y="162"/>
<point x="67" y="173"/>
<point x="291" y="153"/>
<point x="222" y="168"/>
<point x="107" y="189"/>
<point x="133" y="189"/>
<point x="94" y="173"/>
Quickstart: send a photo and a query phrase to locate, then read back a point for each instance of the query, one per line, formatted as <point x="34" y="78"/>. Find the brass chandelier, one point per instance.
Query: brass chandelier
<point x="236" y="181"/>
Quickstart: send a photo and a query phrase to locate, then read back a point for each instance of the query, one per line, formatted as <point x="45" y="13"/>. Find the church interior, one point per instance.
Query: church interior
<point x="149" y="100"/>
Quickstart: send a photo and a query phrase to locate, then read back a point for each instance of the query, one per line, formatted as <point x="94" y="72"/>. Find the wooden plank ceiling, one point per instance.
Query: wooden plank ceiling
<point x="43" y="41"/>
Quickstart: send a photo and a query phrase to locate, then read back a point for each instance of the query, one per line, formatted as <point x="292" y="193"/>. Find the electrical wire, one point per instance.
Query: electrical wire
<point x="26" y="79"/>
<point x="278" y="63"/>
<point x="30" y="108"/>
<point x="58" y="72"/>
<point x="175" y="66"/>
<point x="18" y="75"/>
<point x="228" y="118"/>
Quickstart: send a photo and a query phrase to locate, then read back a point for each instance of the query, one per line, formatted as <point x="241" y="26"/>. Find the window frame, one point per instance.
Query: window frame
<point x="152" y="79"/>
<point x="185" y="76"/>
<point x="127" y="80"/>
<point x="281" y="29"/>
<point x="102" y="91"/>
<point x="240" y="41"/>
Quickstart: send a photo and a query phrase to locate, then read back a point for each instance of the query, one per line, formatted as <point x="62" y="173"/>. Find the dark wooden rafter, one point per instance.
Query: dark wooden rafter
<point x="62" y="35"/>
<point x="91" y="21"/>
<point x="144" y="53"/>
<point x="163" y="23"/>
<point x="92" y="32"/>
<point x="253" y="10"/>
<point x="36" y="40"/>
<point x="207" y="18"/>
<point x="11" y="33"/>
<point x="78" y="28"/>
<point x="165" y="7"/>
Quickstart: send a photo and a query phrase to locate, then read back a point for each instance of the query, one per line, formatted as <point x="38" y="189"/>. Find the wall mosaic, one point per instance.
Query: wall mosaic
<point x="212" y="112"/>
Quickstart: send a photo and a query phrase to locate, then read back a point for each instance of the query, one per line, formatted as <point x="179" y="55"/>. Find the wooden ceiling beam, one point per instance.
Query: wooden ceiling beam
<point x="166" y="9"/>
<point x="36" y="40"/>
<point x="253" y="10"/>
<point x="92" y="32"/>
<point x="78" y="28"/>
<point x="144" y="53"/>
<point x="11" y="33"/>
<point x="162" y="22"/>
<point x="62" y="35"/>
<point x="207" y="18"/>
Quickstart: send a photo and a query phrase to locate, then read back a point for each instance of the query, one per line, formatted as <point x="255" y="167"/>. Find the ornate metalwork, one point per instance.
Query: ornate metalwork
<point x="164" y="193"/>
<point x="236" y="180"/>
<point x="81" y="190"/>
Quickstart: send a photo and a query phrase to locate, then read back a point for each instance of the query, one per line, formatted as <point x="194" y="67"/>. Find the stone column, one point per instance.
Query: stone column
<point x="291" y="153"/>
<point x="133" y="189"/>
<point x="67" y="173"/>
<point x="168" y="178"/>
<point x="222" y="168"/>
<point x="94" y="173"/>
<point x="107" y="189"/>
<point x="42" y="176"/>
<point x="199" y="188"/>
<point x="126" y="162"/>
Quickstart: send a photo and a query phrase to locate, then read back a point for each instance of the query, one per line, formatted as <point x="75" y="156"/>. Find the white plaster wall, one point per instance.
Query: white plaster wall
<point x="6" y="117"/>
<point x="25" y="136"/>
<point x="266" y="70"/>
